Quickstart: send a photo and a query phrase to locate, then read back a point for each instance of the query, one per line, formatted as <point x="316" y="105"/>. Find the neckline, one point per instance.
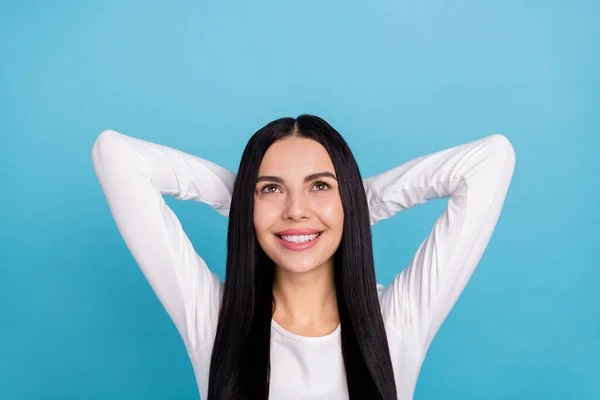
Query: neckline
<point x="294" y="336"/>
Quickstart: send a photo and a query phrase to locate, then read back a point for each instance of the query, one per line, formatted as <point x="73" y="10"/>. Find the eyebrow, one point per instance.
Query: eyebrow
<point x="309" y="178"/>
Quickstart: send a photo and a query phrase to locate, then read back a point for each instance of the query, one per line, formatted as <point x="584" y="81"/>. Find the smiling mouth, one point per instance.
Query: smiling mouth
<point x="299" y="238"/>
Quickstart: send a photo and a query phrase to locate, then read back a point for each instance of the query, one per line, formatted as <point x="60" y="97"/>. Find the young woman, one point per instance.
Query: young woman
<point x="300" y="315"/>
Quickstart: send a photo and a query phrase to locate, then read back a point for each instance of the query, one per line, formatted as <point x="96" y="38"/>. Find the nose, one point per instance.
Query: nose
<point x="298" y="207"/>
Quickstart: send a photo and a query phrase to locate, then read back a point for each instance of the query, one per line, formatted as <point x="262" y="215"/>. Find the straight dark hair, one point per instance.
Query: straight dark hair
<point x="240" y="362"/>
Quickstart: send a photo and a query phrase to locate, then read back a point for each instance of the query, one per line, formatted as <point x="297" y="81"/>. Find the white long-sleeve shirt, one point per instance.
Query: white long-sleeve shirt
<point x="135" y="174"/>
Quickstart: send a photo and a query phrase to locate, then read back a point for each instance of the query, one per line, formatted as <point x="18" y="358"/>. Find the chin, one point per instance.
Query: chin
<point x="296" y="262"/>
<point x="299" y="265"/>
<point x="297" y="268"/>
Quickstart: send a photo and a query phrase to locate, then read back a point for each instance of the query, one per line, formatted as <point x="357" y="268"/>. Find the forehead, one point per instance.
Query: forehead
<point x="295" y="156"/>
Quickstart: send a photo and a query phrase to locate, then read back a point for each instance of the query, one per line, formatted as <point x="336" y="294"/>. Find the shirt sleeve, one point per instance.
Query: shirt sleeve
<point x="134" y="174"/>
<point x="475" y="176"/>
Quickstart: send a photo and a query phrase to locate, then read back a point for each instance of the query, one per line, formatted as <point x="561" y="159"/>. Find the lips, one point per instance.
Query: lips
<point x="298" y="246"/>
<point x="297" y="232"/>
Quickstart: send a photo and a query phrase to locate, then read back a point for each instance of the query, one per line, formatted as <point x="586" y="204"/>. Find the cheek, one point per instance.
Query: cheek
<point x="331" y="213"/>
<point x="264" y="217"/>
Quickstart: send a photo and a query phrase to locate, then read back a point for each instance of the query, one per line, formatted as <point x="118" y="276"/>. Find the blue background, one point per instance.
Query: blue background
<point x="398" y="79"/>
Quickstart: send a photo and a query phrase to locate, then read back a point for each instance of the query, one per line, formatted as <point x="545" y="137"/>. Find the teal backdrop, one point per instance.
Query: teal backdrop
<point x="398" y="79"/>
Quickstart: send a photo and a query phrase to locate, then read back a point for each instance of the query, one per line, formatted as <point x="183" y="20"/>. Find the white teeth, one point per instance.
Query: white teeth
<point x="299" y="238"/>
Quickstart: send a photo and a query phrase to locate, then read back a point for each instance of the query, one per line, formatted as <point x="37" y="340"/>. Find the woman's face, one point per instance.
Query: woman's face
<point x="298" y="215"/>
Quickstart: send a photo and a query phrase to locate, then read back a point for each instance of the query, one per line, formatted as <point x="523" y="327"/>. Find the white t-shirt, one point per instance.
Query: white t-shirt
<point x="135" y="174"/>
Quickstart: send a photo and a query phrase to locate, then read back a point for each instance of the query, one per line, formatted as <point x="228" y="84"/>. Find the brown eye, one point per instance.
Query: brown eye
<point x="270" y="188"/>
<point x="321" y="186"/>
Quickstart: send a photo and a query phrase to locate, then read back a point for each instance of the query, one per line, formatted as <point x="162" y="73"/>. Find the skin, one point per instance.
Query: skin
<point x="304" y="289"/>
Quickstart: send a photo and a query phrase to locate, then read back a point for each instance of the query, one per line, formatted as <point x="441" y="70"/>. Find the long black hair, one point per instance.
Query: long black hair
<point x="240" y="362"/>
